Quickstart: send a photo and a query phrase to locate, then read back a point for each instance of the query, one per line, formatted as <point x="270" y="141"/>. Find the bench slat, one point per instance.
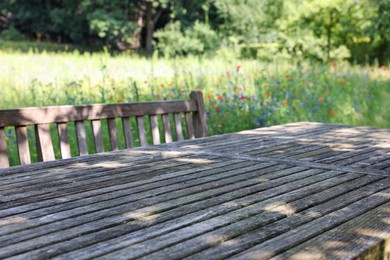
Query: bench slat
<point x="62" y="129"/>
<point x="97" y="135"/>
<point x="44" y="142"/>
<point x="178" y="127"/>
<point x="199" y="115"/>
<point x="190" y="126"/>
<point x="167" y="128"/>
<point x="127" y="132"/>
<point x="23" y="149"/>
<point x="58" y="114"/>
<point x="141" y="131"/>
<point x="154" y="128"/>
<point x="81" y="138"/>
<point x="3" y="150"/>
<point x="113" y="134"/>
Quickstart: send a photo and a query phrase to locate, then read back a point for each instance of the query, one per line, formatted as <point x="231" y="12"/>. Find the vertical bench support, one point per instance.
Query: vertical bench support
<point x="200" y="115"/>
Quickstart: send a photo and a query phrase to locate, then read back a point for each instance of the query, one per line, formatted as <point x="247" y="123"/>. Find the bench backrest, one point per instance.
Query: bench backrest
<point x="42" y="117"/>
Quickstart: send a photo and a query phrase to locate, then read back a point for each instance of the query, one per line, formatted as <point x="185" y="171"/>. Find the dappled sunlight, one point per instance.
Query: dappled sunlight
<point x="13" y="220"/>
<point x="283" y="208"/>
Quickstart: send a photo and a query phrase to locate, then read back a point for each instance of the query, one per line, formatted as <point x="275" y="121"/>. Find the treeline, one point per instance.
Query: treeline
<point x="357" y="30"/>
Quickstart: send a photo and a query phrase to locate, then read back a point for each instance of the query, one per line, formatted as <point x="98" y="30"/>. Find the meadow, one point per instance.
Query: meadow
<point x="239" y="94"/>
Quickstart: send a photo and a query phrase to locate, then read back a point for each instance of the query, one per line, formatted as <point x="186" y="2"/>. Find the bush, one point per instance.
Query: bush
<point x="196" y="40"/>
<point x="11" y="34"/>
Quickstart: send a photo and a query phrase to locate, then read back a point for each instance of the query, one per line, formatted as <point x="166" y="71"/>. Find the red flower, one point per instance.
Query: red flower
<point x="268" y="94"/>
<point x="209" y="96"/>
<point x="321" y="99"/>
<point x="243" y="97"/>
<point x="218" y="109"/>
<point x="220" y="98"/>
<point x="331" y="112"/>
<point x="285" y="102"/>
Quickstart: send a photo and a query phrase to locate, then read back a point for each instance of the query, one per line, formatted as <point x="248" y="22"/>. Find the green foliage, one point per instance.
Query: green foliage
<point x="11" y="34"/>
<point x="195" y="40"/>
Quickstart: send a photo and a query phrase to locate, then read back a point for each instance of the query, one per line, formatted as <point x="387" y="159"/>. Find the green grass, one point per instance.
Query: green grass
<point x="238" y="94"/>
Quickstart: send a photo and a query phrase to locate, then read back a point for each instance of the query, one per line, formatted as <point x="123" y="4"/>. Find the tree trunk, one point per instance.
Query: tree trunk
<point x="329" y="34"/>
<point x="149" y="27"/>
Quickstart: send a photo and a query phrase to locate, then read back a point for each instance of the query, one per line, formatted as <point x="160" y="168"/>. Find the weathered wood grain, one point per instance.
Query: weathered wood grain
<point x="59" y="114"/>
<point x="44" y="142"/>
<point x="167" y="128"/>
<point x="62" y="130"/>
<point x="141" y="131"/>
<point x="113" y="134"/>
<point x="190" y="126"/>
<point x="199" y="115"/>
<point x="3" y="149"/>
<point x="81" y="138"/>
<point x="23" y="149"/>
<point x="178" y="127"/>
<point x="127" y="132"/>
<point x="97" y="135"/>
<point x="364" y="237"/>
<point x="154" y="129"/>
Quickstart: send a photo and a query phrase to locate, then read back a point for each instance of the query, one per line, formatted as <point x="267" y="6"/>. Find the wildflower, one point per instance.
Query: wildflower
<point x="260" y="121"/>
<point x="265" y="85"/>
<point x="145" y="82"/>
<point x="220" y="98"/>
<point x="218" y="109"/>
<point x="268" y="94"/>
<point x="294" y="108"/>
<point x="228" y="74"/>
<point x="321" y="99"/>
<point x="383" y="67"/>
<point x="333" y="64"/>
<point x="209" y="96"/>
<point x="162" y="85"/>
<point x="120" y="99"/>
<point x="341" y="81"/>
<point x="111" y="98"/>
<point x="238" y="67"/>
<point x="243" y="97"/>
<point x="240" y="87"/>
<point x="285" y="102"/>
<point x="331" y="112"/>
<point x="272" y="76"/>
<point x="182" y="90"/>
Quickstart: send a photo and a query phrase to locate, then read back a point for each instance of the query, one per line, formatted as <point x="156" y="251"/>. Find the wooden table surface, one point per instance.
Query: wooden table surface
<point x="303" y="190"/>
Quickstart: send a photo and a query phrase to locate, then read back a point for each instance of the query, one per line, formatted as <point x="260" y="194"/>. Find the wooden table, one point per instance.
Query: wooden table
<point x="292" y="191"/>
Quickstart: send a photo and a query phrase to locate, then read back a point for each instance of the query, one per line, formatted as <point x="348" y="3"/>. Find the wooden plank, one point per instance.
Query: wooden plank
<point x="3" y="149"/>
<point x="346" y="239"/>
<point x="58" y="114"/>
<point x="199" y="115"/>
<point x="62" y="129"/>
<point x="141" y="131"/>
<point x="258" y="215"/>
<point x="113" y="133"/>
<point x="167" y="128"/>
<point x="178" y="127"/>
<point x="119" y="217"/>
<point x="201" y="222"/>
<point x="154" y="129"/>
<point x="127" y="132"/>
<point x="310" y="226"/>
<point x="81" y="138"/>
<point x="190" y="126"/>
<point x="44" y="142"/>
<point x="23" y="149"/>
<point x="97" y="135"/>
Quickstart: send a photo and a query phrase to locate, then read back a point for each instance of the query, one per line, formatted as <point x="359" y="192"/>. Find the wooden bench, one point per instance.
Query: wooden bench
<point x="42" y="117"/>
